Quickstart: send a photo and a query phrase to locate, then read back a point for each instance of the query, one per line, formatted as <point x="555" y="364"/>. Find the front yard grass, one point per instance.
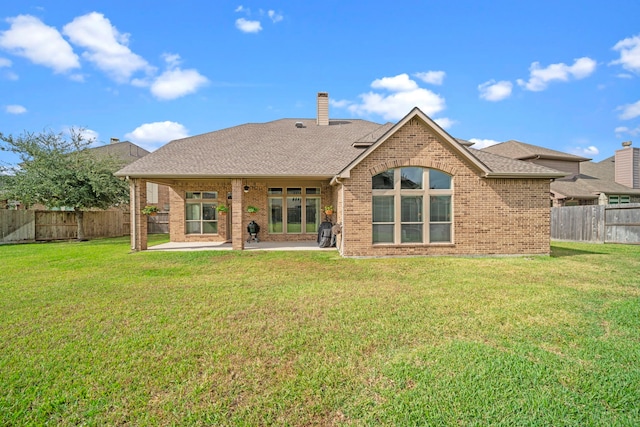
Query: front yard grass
<point x="92" y="334"/>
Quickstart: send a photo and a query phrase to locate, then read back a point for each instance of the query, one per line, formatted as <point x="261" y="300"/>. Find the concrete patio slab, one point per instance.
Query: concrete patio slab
<point x="217" y="246"/>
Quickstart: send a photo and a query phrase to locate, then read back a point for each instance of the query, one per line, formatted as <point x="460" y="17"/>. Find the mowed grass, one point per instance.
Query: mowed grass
<point x="91" y="334"/>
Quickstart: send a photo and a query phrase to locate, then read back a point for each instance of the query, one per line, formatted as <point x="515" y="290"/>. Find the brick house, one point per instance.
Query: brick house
<point x="615" y="180"/>
<point x="400" y="189"/>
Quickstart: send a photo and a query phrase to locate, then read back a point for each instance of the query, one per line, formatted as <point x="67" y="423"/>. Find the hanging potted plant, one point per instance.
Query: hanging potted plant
<point x="222" y="209"/>
<point x="150" y="210"/>
<point x="252" y="209"/>
<point x="328" y="210"/>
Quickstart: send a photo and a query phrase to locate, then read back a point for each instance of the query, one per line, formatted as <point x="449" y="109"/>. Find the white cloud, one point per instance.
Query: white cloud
<point x="445" y="122"/>
<point x="15" y="109"/>
<point x="622" y="130"/>
<point x="154" y="135"/>
<point x="106" y="47"/>
<point x="173" y="84"/>
<point x="629" y="49"/>
<point x="590" y="151"/>
<point x="629" y="111"/>
<point x="495" y="91"/>
<point x="247" y="26"/>
<point x="432" y="77"/>
<point x="274" y="16"/>
<point x="540" y="78"/>
<point x="399" y="83"/>
<point x="240" y="8"/>
<point x="479" y="144"/>
<point x="4" y="62"/>
<point x="405" y="94"/>
<point x="30" y="38"/>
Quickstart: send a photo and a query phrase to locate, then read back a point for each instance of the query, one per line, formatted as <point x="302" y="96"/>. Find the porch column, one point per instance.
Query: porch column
<point x="237" y="232"/>
<point x="138" y="199"/>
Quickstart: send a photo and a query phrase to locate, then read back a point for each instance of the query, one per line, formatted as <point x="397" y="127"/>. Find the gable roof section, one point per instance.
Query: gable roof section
<point x="126" y="151"/>
<point x="522" y="151"/>
<point x="487" y="164"/>
<point x="281" y="148"/>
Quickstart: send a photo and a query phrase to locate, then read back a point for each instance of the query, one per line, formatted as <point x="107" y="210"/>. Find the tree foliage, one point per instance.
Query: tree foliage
<point x="58" y="171"/>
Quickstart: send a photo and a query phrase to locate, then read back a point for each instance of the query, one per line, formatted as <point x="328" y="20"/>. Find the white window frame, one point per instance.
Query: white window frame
<point x="211" y="199"/>
<point x="426" y="193"/>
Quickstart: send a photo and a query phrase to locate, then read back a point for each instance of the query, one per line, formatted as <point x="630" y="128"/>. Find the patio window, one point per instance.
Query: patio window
<point x="201" y="214"/>
<point x="294" y="210"/>
<point x="412" y="205"/>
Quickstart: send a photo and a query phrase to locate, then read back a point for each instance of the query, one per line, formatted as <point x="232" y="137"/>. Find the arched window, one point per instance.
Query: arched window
<point x="412" y="205"/>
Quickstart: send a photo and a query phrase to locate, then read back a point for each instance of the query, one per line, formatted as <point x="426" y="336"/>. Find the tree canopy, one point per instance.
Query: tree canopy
<point x="62" y="171"/>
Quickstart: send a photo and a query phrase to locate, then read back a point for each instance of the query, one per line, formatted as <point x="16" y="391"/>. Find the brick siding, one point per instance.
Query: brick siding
<point x="490" y="216"/>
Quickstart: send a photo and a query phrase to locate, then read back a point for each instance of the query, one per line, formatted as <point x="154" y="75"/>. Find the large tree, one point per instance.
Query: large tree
<point x="61" y="171"/>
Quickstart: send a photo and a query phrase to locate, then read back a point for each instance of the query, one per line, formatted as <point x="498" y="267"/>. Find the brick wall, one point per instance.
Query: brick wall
<point x="490" y="216"/>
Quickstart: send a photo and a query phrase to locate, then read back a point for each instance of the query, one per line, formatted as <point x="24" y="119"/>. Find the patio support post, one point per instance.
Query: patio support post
<point x="237" y="235"/>
<point x="138" y="198"/>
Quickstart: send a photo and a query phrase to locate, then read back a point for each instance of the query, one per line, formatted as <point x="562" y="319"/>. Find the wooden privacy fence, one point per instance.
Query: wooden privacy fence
<point x="29" y="226"/>
<point x="600" y="223"/>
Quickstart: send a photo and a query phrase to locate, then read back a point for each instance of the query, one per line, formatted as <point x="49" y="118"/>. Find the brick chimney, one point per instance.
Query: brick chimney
<point x="627" y="165"/>
<point x="323" y="109"/>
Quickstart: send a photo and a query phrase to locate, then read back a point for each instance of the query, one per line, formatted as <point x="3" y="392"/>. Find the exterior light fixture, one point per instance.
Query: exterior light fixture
<point x="246" y="188"/>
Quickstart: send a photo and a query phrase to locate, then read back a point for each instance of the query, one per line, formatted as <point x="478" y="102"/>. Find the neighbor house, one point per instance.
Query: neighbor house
<point x="400" y="189"/>
<point x="611" y="181"/>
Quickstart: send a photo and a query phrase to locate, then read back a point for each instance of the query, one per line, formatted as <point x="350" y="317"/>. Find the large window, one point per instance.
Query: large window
<point x="294" y="210"/>
<point x="201" y="214"/>
<point x="412" y="205"/>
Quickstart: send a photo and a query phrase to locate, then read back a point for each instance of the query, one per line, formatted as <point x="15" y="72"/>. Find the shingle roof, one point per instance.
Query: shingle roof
<point x="504" y="165"/>
<point x="276" y="148"/>
<point x="126" y="151"/>
<point x="290" y="148"/>
<point x="604" y="169"/>
<point x="520" y="150"/>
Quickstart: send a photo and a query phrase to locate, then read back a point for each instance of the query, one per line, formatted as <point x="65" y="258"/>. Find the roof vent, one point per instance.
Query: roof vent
<point x="626" y="144"/>
<point x="299" y="125"/>
<point x="114" y="141"/>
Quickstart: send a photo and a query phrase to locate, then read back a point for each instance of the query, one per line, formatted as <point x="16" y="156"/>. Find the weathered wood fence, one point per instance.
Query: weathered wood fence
<point x="29" y="226"/>
<point x="600" y="224"/>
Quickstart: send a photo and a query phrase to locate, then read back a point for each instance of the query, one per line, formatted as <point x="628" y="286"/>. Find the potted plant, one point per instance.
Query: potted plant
<point x="328" y="210"/>
<point x="223" y="209"/>
<point x="150" y="210"/>
<point x="252" y="209"/>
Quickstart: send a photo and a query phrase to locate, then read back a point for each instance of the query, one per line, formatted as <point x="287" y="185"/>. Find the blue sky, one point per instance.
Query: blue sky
<point x="560" y="74"/>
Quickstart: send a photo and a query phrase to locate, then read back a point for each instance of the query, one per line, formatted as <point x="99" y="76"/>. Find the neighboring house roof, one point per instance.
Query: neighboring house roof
<point x="301" y="148"/>
<point x="523" y="151"/>
<point x="604" y="169"/>
<point x="126" y="151"/>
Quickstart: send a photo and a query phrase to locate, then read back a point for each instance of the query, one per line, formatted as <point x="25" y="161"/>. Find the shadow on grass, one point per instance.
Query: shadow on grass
<point x="557" y="252"/>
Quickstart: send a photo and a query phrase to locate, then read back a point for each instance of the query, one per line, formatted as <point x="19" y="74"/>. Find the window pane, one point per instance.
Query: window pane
<point x="208" y="212"/>
<point x="314" y="190"/>
<point x="383" y="181"/>
<point x="193" y="195"/>
<point x="274" y="191"/>
<point x="294" y="214"/>
<point x="439" y="180"/>
<point x="411" y="233"/>
<point x="210" y="195"/>
<point x="625" y="199"/>
<point x="613" y="200"/>
<point x="440" y="232"/>
<point x="275" y="215"/>
<point x="193" y="211"/>
<point x="382" y="233"/>
<point x="313" y="215"/>
<point x="193" y="227"/>
<point x="440" y="208"/>
<point x="294" y="190"/>
<point x="382" y="208"/>
<point x="411" y="209"/>
<point x="210" y="227"/>
<point x="411" y="178"/>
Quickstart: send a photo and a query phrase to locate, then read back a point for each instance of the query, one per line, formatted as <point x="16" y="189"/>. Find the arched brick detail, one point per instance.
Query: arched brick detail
<point x="398" y="163"/>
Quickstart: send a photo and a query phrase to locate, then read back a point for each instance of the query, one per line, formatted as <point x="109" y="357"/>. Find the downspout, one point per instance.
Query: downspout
<point x="342" y="240"/>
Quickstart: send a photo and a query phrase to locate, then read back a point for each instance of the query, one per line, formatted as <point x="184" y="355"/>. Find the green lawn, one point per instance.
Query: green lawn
<point x="91" y="334"/>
